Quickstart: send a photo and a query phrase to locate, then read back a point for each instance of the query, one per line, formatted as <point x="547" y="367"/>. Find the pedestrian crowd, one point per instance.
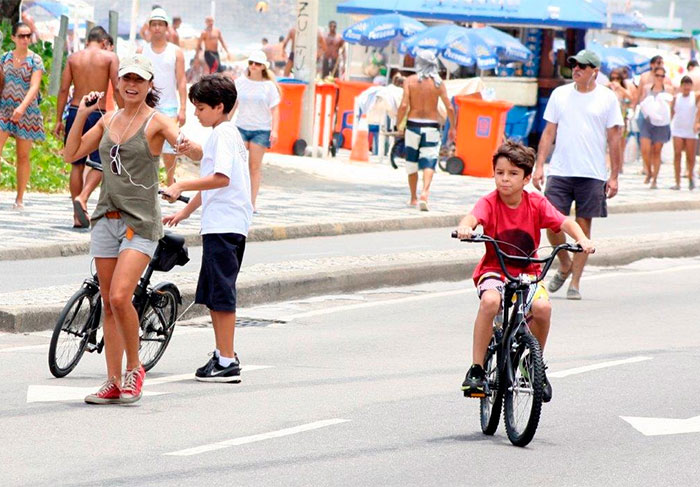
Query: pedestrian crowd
<point x="657" y="111"/>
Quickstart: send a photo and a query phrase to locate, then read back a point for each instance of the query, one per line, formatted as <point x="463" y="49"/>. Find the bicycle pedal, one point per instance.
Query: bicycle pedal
<point x="92" y="347"/>
<point x="476" y="394"/>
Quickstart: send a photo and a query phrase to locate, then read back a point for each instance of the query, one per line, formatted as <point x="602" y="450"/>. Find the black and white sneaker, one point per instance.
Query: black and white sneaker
<point x="213" y="372"/>
<point x="214" y="358"/>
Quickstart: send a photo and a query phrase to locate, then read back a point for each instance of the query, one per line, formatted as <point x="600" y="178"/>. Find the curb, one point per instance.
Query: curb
<point x="307" y="230"/>
<point x="440" y="266"/>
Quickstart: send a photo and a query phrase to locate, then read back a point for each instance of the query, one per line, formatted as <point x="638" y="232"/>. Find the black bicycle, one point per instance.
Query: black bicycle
<point x="77" y="327"/>
<point x="513" y="363"/>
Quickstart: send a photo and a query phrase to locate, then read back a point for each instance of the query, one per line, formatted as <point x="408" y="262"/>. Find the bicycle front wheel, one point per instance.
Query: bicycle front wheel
<point x="523" y="393"/>
<point x="157" y="325"/>
<point x="492" y="403"/>
<point x="78" y="320"/>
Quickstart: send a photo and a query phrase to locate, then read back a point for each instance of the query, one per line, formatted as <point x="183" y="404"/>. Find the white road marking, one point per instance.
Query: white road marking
<point x="664" y="426"/>
<point x="45" y="393"/>
<point x="26" y="347"/>
<point x="455" y="292"/>
<point x="602" y="365"/>
<point x="182" y="330"/>
<point x="253" y="438"/>
<point x="183" y="377"/>
<point x="61" y="393"/>
<point x="349" y="307"/>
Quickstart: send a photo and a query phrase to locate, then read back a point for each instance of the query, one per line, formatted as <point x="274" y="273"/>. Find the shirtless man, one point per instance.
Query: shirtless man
<point x="279" y="58"/>
<point x="421" y="94"/>
<point x="169" y="79"/>
<point x="210" y="37"/>
<point x="290" y="38"/>
<point x="172" y="30"/>
<point x="88" y="70"/>
<point x="331" y="53"/>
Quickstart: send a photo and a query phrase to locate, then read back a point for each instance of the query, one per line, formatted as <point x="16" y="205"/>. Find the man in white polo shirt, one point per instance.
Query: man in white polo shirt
<point x="582" y="116"/>
<point x="169" y="79"/>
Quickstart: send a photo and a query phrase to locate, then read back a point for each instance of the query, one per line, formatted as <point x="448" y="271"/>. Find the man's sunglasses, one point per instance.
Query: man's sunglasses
<point x="24" y="36"/>
<point x="253" y="63"/>
<point x="580" y="65"/>
<point x="659" y="75"/>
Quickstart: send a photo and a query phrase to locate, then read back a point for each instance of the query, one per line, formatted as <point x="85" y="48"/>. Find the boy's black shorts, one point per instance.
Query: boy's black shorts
<point x="221" y="260"/>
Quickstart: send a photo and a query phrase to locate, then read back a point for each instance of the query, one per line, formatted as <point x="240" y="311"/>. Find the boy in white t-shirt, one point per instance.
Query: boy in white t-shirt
<point x="224" y="195"/>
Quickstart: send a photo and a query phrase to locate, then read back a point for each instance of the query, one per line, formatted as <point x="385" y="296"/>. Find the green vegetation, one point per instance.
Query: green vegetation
<point x="49" y="172"/>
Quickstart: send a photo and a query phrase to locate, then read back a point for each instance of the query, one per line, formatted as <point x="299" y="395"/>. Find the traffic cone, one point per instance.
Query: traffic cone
<point x="360" y="149"/>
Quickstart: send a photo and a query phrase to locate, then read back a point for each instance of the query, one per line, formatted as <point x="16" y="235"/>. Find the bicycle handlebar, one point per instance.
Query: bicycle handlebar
<point x="182" y="198"/>
<point x="501" y="255"/>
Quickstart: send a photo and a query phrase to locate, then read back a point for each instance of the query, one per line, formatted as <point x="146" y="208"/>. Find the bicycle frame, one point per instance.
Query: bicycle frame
<point x="515" y="324"/>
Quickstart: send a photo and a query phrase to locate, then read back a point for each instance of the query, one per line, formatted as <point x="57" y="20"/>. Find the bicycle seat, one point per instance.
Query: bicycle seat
<point x="171" y="251"/>
<point x="172" y="241"/>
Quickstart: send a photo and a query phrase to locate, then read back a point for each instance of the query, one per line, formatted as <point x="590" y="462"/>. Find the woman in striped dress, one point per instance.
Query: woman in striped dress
<point x="20" y="116"/>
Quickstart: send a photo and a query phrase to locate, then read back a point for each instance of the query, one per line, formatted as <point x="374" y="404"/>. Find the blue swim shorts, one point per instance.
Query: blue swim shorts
<point x="422" y="145"/>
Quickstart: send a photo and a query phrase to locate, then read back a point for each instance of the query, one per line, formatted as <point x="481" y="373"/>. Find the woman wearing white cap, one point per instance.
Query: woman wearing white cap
<point x="257" y="114"/>
<point x="126" y="223"/>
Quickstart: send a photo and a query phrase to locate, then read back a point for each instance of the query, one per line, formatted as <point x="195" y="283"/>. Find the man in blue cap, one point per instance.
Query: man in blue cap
<point x="581" y="116"/>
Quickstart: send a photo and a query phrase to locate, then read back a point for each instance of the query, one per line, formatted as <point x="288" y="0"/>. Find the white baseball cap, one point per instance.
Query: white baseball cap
<point x="137" y="64"/>
<point x="259" y="57"/>
<point x="159" y="14"/>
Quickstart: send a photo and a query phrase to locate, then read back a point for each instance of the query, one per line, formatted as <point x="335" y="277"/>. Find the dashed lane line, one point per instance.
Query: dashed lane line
<point x="255" y="438"/>
<point x="601" y="365"/>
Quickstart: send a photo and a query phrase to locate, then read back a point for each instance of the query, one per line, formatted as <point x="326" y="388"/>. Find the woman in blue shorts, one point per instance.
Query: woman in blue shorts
<point x="257" y="114"/>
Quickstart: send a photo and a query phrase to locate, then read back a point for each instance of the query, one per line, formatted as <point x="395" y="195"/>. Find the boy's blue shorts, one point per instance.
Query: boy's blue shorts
<point x="221" y="260"/>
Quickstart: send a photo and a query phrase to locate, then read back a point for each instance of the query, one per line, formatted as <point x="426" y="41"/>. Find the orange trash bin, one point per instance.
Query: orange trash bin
<point x="347" y="92"/>
<point x="290" y="119"/>
<point x="480" y="128"/>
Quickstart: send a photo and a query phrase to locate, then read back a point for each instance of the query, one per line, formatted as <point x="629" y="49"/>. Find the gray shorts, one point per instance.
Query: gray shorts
<point x="588" y="193"/>
<point x="108" y="239"/>
<point x="659" y="134"/>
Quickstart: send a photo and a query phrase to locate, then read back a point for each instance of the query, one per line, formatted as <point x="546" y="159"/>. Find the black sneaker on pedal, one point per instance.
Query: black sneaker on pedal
<point x="214" y="372"/>
<point x="475" y="383"/>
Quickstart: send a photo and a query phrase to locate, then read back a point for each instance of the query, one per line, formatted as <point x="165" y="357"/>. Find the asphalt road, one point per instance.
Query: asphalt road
<point x="364" y="390"/>
<point x="35" y="273"/>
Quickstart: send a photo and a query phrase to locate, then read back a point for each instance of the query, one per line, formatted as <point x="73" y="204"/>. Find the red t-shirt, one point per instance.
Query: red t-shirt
<point x="519" y="226"/>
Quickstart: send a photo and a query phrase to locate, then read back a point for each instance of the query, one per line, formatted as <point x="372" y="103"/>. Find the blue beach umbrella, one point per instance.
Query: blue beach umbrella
<point x="453" y="43"/>
<point x="379" y="30"/>
<point x="507" y="47"/>
<point x="617" y="57"/>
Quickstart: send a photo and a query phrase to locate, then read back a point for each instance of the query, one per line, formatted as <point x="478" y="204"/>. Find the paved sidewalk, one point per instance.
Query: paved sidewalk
<point x="37" y="309"/>
<point x="308" y="197"/>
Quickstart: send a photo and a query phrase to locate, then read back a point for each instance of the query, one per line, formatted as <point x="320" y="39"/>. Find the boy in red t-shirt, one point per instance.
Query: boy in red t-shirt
<point x="512" y="215"/>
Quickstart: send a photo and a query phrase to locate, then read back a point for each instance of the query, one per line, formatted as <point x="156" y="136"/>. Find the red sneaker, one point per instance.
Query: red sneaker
<point x="109" y="393"/>
<point x="133" y="382"/>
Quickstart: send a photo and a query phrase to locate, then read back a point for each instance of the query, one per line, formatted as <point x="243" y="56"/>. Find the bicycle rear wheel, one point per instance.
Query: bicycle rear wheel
<point x="79" y="318"/>
<point x="157" y="325"/>
<point x="492" y="403"/>
<point x="523" y="393"/>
